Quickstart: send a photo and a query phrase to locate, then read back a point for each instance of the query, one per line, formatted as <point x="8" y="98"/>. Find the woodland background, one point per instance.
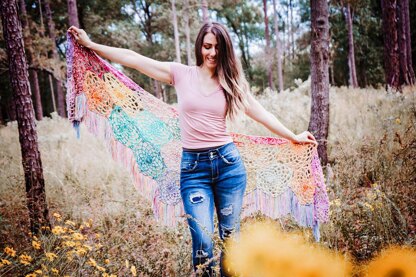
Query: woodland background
<point x="371" y="142"/>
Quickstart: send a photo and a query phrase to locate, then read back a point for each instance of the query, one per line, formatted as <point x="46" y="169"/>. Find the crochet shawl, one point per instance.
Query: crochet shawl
<point x="142" y="133"/>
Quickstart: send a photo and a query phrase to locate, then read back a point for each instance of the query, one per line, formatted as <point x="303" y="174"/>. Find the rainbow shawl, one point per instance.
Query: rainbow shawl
<point x="142" y="132"/>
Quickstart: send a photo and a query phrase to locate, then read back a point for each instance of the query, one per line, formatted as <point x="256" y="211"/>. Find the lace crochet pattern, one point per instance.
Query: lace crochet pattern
<point x="143" y="134"/>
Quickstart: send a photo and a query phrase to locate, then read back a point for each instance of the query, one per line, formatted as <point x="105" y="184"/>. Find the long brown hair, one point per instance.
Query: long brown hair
<point x="229" y="70"/>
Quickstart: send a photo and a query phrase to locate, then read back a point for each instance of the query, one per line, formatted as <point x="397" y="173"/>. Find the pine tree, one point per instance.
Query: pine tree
<point x="31" y="160"/>
<point x="319" y="121"/>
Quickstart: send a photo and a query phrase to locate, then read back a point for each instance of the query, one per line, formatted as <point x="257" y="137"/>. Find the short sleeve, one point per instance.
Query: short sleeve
<point x="177" y="72"/>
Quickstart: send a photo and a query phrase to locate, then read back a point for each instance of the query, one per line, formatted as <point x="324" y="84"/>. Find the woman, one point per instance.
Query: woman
<point x="213" y="175"/>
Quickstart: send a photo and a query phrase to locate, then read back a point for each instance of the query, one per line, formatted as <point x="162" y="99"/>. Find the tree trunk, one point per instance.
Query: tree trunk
<point x="278" y="48"/>
<point x="267" y="37"/>
<point x="351" y="53"/>
<point x="292" y="44"/>
<point x="32" y="165"/>
<point x="406" y="10"/>
<point x="205" y="13"/>
<point x="396" y="29"/>
<point x="73" y="13"/>
<point x="187" y="33"/>
<point x="11" y="109"/>
<point x="29" y="53"/>
<point x="1" y="116"/>
<point x="406" y="71"/>
<point x="176" y="32"/>
<point x="59" y="87"/>
<point x="319" y="121"/>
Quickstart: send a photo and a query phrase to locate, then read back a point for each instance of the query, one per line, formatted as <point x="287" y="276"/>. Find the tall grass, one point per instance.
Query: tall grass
<point x="370" y="179"/>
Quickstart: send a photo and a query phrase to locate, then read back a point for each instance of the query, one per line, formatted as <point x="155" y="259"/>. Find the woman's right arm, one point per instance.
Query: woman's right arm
<point x="150" y="67"/>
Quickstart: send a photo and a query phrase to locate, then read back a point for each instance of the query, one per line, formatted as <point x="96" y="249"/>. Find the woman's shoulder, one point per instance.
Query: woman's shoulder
<point x="177" y="65"/>
<point x="179" y="71"/>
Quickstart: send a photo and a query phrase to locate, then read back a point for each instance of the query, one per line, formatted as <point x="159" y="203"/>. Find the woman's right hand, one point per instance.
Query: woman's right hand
<point x="80" y="36"/>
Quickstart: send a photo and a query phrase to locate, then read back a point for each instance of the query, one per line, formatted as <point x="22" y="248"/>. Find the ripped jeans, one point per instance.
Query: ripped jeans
<point x="214" y="178"/>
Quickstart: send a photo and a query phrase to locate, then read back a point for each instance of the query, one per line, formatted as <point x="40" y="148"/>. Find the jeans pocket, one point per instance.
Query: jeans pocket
<point x="231" y="157"/>
<point x="188" y="165"/>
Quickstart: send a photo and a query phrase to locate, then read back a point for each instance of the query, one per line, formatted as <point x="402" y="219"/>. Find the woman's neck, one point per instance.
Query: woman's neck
<point x="208" y="72"/>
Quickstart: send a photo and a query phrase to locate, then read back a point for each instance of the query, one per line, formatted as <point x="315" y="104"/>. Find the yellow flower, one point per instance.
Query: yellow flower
<point x="106" y="261"/>
<point x="69" y="222"/>
<point x="10" y="251"/>
<point x="31" y="275"/>
<point x="81" y="251"/>
<point x="261" y="250"/>
<point x="109" y="275"/>
<point x="58" y="230"/>
<point x="92" y="262"/>
<point x="98" y="245"/>
<point x="100" y="268"/>
<point x="87" y="247"/>
<point x="133" y="270"/>
<point x="51" y="256"/>
<point x="398" y="121"/>
<point x="5" y="262"/>
<point x="78" y="236"/>
<point x="25" y="259"/>
<point x="55" y="271"/>
<point x="336" y="202"/>
<point x="36" y="244"/>
<point x="97" y="236"/>
<point x="127" y="263"/>
<point x="68" y="243"/>
<point x="57" y="216"/>
<point x="394" y="261"/>
<point x="69" y="255"/>
<point x="369" y="206"/>
<point x="38" y="271"/>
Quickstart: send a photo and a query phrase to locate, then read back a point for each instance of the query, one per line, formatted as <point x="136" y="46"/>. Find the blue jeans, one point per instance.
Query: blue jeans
<point x="214" y="178"/>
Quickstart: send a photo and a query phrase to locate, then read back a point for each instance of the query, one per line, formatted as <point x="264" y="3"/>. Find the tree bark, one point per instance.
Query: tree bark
<point x="267" y="37"/>
<point x="406" y="70"/>
<point x="73" y="13"/>
<point x="29" y="53"/>
<point x="292" y="44"/>
<point x="31" y="160"/>
<point x="205" y="13"/>
<point x="187" y="33"/>
<point x="278" y="48"/>
<point x="351" y="53"/>
<point x="397" y="53"/>
<point x="176" y="32"/>
<point x="319" y="121"/>
<point x="60" y="96"/>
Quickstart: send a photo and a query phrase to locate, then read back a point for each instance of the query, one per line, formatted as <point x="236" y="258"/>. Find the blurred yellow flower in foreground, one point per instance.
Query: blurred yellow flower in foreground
<point x="394" y="261"/>
<point x="10" y="251"/>
<point x="55" y="271"/>
<point x="262" y="251"/>
<point x="30" y="275"/>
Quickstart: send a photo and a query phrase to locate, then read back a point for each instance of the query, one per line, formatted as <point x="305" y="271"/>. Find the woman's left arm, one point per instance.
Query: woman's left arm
<point x="257" y="112"/>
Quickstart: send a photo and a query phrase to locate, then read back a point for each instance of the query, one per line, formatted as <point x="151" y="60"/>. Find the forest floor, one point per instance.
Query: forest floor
<point x="106" y="226"/>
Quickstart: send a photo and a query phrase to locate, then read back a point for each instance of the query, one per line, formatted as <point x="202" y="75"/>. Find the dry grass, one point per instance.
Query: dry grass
<point x="372" y="149"/>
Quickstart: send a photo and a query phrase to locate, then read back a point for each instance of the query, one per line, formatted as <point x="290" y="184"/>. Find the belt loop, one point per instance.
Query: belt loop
<point x="197" y="156"/>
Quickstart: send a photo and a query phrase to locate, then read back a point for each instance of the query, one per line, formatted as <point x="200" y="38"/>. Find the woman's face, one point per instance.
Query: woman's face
<point x="209" y="51"/>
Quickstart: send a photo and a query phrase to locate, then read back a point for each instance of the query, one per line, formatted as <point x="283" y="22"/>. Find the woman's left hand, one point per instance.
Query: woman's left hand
<point x="305" y="137"/>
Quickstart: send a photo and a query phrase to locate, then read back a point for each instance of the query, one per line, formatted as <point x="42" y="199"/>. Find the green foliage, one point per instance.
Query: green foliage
<point x="368" y="43"/>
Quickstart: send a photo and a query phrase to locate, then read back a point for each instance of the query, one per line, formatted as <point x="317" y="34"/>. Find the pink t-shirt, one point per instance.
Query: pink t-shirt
<point x="201" y="113"/>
